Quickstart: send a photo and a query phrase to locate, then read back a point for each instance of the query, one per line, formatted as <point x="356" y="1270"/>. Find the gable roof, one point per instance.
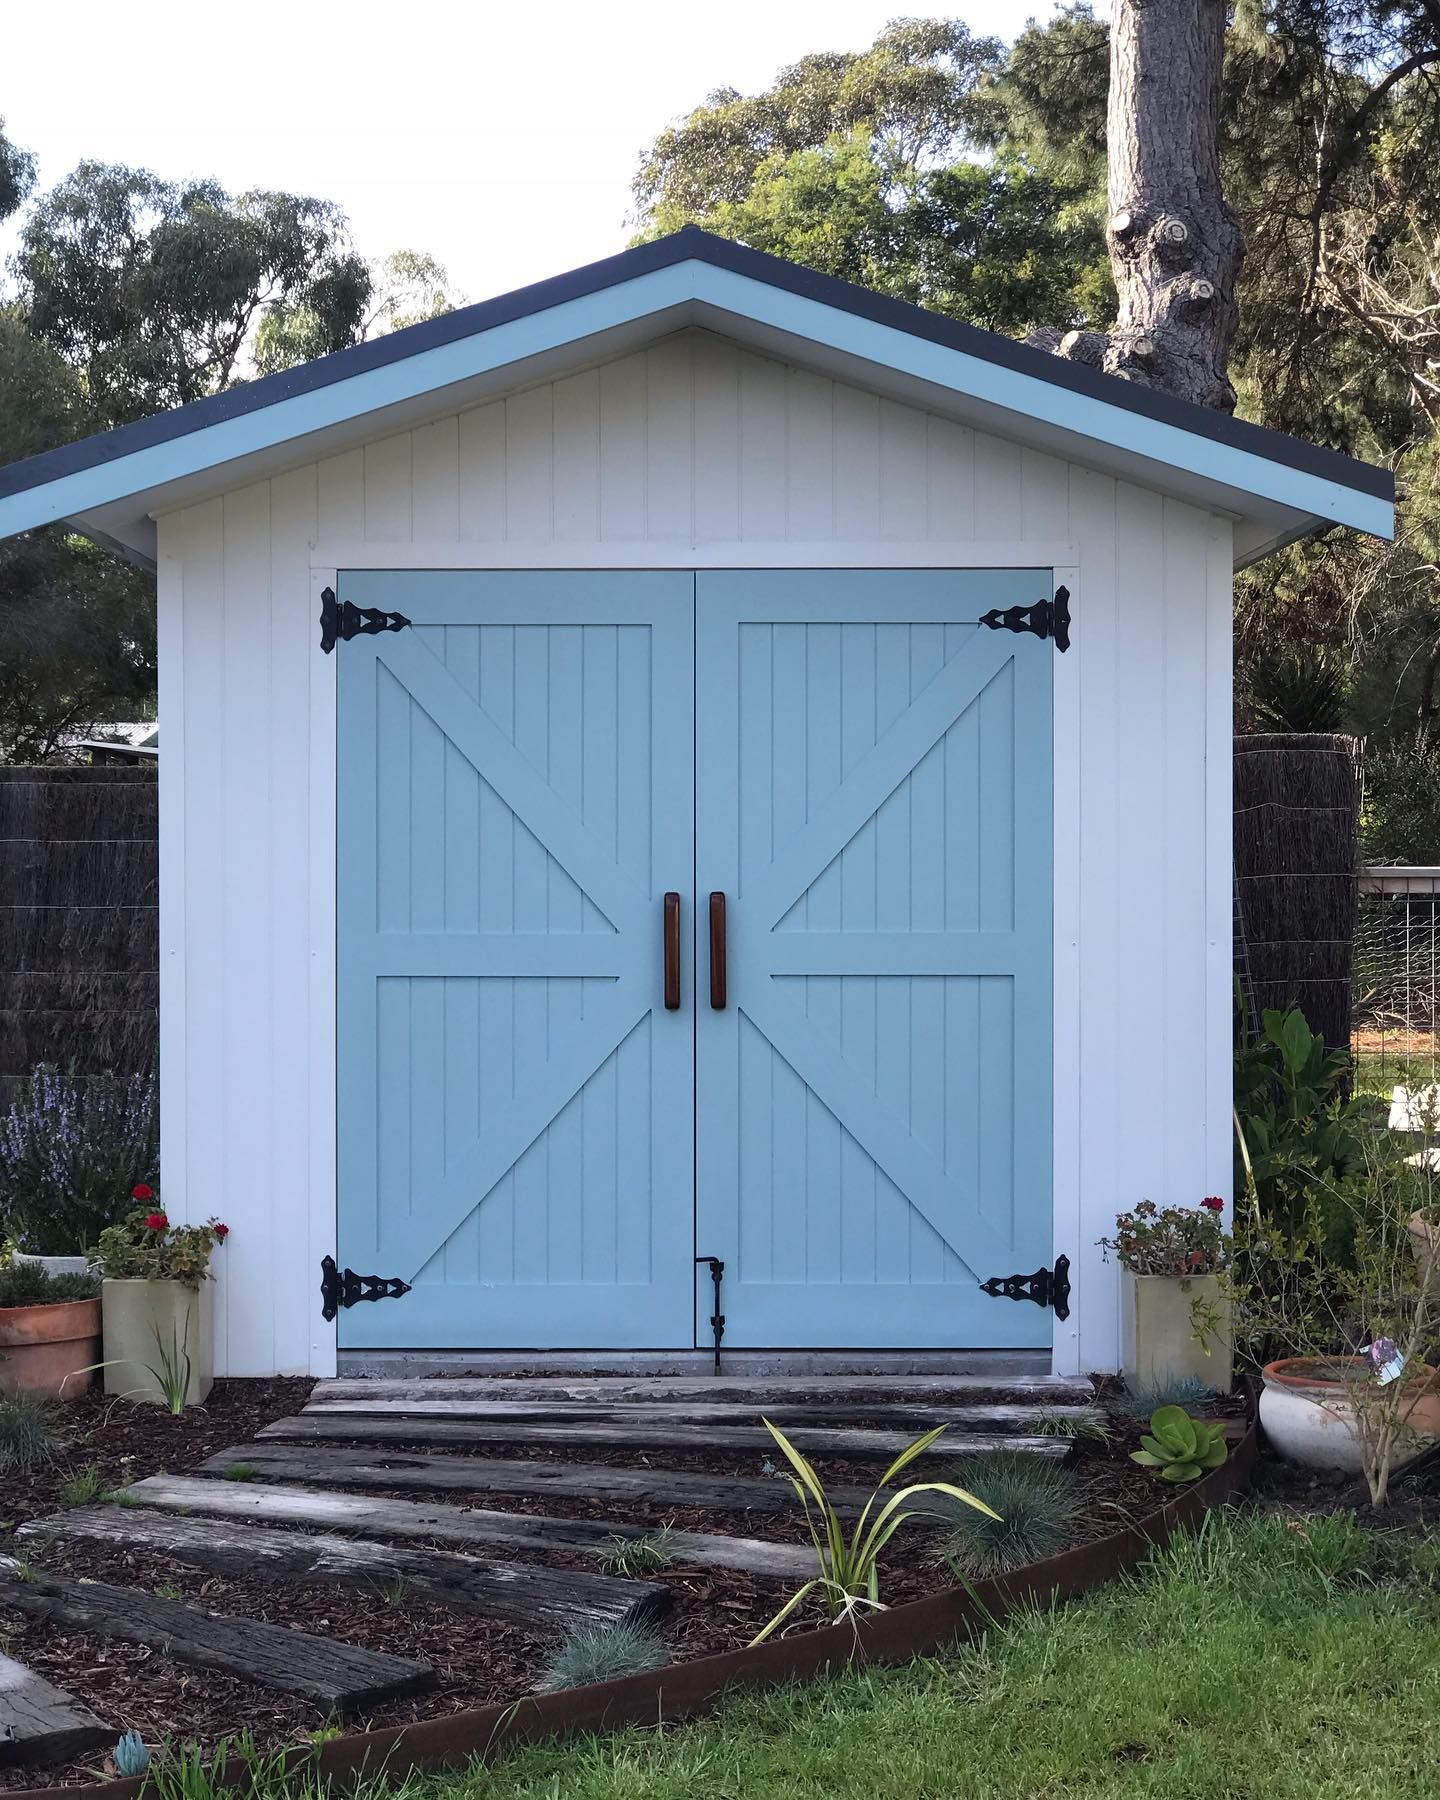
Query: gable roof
<point x="111" y="485"/>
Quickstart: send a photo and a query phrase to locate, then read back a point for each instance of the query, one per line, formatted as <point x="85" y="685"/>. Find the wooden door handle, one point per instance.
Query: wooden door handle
<point x="717" y="951"/>
<point x="672" y="952"/>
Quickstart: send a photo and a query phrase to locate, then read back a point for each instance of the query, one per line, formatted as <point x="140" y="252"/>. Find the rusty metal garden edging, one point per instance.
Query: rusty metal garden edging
<point x="680" y="1690"/>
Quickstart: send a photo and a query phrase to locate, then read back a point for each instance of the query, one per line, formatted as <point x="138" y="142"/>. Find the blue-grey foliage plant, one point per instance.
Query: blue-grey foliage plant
<point x="71" y="1150"/>
<point x="130" y="1756"/>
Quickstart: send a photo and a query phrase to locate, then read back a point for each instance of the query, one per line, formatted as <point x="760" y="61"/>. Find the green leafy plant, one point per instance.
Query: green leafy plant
<point x="647" y="1555"/>
<point x="1170" y="1240"/>
<point x="241" y="1471"/>
<point x="1180" y="1448"/>
<point x="81" y="1489"/>
<point x="602" y="1653"/>
<point x="28" y="1284"/>
<point x="1031" y="1505"/>
<point x="145" y="1246"/>
<point x="167" y="1590"/>
<point x="25" y="1436"/>
<point x="849" y="1575"/>
<point x="121" y="1497"/>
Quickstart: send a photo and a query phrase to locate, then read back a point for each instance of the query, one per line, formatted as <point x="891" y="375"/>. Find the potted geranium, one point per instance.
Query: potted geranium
<point x="1175" y="1313"/>
<point x="155" y="1301"/>
<point x="49" y="1330"/>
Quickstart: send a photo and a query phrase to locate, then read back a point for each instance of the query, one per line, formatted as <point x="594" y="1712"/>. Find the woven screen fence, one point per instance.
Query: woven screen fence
<point x="1297" y="801"/>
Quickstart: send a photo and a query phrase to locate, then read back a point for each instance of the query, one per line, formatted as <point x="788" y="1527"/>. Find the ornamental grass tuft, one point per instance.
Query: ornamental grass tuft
<point x="602" y="1653"/>
<point x="1038" y="1501"/>
<point x="1142" y="1399"/>
<point x="25" y="1439"/>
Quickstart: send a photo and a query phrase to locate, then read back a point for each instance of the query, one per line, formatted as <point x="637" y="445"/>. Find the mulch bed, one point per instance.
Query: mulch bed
<point x="476" y="1660"/>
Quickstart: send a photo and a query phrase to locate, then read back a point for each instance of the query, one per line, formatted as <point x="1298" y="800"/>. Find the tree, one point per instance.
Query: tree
<point x="153" y="289"/>
<point x="17" y="174"/>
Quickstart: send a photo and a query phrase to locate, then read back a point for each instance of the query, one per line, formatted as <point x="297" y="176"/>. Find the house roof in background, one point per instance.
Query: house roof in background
<point x="689" y="277"/>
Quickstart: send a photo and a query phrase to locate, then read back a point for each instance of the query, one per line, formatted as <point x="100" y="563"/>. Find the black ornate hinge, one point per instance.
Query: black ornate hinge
<point x="1046" y="618"/>
<point x="717" y="1318"/>
<point x="343" y="1287"/>
<point x="344" y="620"/>
<point x="1046" y="1287"/>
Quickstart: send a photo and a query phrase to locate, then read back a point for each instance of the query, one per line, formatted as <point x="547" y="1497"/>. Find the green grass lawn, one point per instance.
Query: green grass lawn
<point x="1263" y="1660"/>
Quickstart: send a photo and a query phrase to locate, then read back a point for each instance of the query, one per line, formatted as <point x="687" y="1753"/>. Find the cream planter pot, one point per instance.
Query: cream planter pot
<point x="1309" y="1417"/>
<point x="146" y="1322"/>
<point x="1157" y="1336"/>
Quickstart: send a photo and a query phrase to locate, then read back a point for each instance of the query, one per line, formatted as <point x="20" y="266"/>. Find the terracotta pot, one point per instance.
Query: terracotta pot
<point x="42" y="1348"/>
<point x="147" y="1322"/>
<point x="1309" y="1417"/>
<point x="1157" y="1335"/>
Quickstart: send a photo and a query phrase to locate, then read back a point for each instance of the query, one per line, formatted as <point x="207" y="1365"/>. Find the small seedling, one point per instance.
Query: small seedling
<point x="81" y="1489"/>
<point x="130" y="1756"/>
<point x="168" y="1591"/>
<point x="121" y="1497"/>
<point x="242" y="1472"/>
<point x="394" y="1593"/>
<point x="647" y="1555"/>
<point x="602" y="1653"/>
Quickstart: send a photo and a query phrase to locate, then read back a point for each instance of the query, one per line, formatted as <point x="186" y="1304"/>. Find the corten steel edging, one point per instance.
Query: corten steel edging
<point x="896" y="1635"/>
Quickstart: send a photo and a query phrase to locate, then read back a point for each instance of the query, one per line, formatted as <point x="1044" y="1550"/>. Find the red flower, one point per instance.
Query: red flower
<point x="156" y="1222"/>
<point x="142" y="1191"/>
<point x="221" y="1233"/>
<point x="1213" y="1203"/>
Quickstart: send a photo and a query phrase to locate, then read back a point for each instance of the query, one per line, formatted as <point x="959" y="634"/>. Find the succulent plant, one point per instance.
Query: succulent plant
<point x="1180" y="1448"/>
<point x="130" y="1757"/>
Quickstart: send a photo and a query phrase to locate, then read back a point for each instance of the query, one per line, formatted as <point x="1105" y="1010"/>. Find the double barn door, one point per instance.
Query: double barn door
<point x="541" y="1128"/>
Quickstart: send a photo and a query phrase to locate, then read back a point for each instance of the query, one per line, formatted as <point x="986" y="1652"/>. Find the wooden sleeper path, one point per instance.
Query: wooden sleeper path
<point x="364" y="1515"/>
<point x="551" y="1601"/>
<point x="330" y="1465"/>
<point x="342" y="1677"/>
<point x="40" y="1723"/>
<point x="992" y="1417"/>
<point x="755" y="1391"/>
<point x="638" y="1433"/>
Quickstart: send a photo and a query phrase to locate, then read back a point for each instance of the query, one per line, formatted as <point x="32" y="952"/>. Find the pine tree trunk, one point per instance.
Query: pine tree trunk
<point x="1175" y="246"/>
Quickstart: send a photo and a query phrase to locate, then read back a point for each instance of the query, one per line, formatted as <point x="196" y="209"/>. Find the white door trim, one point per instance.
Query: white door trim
<point x="357" y="553"/>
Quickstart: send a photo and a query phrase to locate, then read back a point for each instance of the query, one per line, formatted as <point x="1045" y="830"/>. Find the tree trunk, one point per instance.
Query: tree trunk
<point x="1175" y="246"/>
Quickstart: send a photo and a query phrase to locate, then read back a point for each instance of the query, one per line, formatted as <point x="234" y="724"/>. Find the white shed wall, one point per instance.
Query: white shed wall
<point x="693" y="442"/>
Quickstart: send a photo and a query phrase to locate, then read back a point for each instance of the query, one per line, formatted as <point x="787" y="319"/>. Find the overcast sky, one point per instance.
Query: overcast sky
<point x="501" y="138"/>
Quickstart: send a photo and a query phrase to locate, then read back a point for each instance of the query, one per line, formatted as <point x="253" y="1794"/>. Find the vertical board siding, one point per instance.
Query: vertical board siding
<point x="692" y="439"/>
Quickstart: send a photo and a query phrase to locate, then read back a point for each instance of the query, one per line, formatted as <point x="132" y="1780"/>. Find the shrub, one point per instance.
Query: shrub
<point x="1037" y="1502"/>
<point x="1139" y="1399"/>
<point x="25" y="1441"/>
<point x="27" y="1284"/>
<point x="601" y="1653"/>
<point x="71" y="1150"/>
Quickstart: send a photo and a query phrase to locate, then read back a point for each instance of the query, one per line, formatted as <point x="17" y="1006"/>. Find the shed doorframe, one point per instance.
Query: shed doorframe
<point x="328" y="559"/>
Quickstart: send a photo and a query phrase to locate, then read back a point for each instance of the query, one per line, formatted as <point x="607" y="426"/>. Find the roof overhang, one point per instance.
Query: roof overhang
<point x="1276" y="488"/>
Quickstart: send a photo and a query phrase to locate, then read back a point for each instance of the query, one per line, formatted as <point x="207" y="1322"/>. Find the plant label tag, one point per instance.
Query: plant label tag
<point x="1386" y="1360"/>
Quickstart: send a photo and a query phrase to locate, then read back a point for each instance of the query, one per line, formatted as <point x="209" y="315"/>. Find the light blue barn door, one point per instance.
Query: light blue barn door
<point x="515" y="797"/>
<point x="874" y="1102"/>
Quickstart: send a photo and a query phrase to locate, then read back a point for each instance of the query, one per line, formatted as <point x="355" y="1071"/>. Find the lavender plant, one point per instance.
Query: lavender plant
<point x="72" y="1149"/>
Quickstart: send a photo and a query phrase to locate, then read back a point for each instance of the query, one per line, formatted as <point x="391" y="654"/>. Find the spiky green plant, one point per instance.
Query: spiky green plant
<point x="25" y="1439"/>
<point x="646" y="1555"/>
<point x="1180" y="1448"/>
<point x="1087" y="1427"/>
<point x="81" y="1489"/>
<point x="602" y="1653"/>
<point x="1031" y="1502"/>
<point x="1142" y="1399"/>
<point x="130" y="1756"/>
<point x="849" y="1575"/>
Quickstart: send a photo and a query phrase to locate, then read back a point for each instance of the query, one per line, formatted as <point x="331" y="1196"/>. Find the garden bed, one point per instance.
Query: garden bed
<point x="478" y="1662"/>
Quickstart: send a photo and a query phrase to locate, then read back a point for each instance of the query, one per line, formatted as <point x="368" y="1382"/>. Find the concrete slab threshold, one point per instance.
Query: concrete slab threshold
<point x="991" y="1367"/>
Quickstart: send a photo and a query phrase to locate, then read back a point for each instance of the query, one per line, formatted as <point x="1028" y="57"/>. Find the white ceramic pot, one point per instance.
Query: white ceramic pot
<point x="1309" y="1418"/>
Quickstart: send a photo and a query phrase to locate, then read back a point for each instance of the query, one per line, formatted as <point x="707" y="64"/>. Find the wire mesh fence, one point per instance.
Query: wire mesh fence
<point x="1396" y="979"/>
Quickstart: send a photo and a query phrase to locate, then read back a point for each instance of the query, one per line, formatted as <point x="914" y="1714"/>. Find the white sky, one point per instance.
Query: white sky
<point x="500" y="138"/>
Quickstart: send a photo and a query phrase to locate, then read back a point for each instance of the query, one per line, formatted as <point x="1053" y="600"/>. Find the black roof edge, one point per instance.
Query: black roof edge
<point x="691" y="243"/>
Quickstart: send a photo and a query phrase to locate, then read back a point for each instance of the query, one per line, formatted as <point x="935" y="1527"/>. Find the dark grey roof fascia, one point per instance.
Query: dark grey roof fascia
<point x="693" y="244"/>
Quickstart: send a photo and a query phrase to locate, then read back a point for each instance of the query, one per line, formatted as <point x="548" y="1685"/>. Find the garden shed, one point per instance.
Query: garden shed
<point x="690" y="790"/>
